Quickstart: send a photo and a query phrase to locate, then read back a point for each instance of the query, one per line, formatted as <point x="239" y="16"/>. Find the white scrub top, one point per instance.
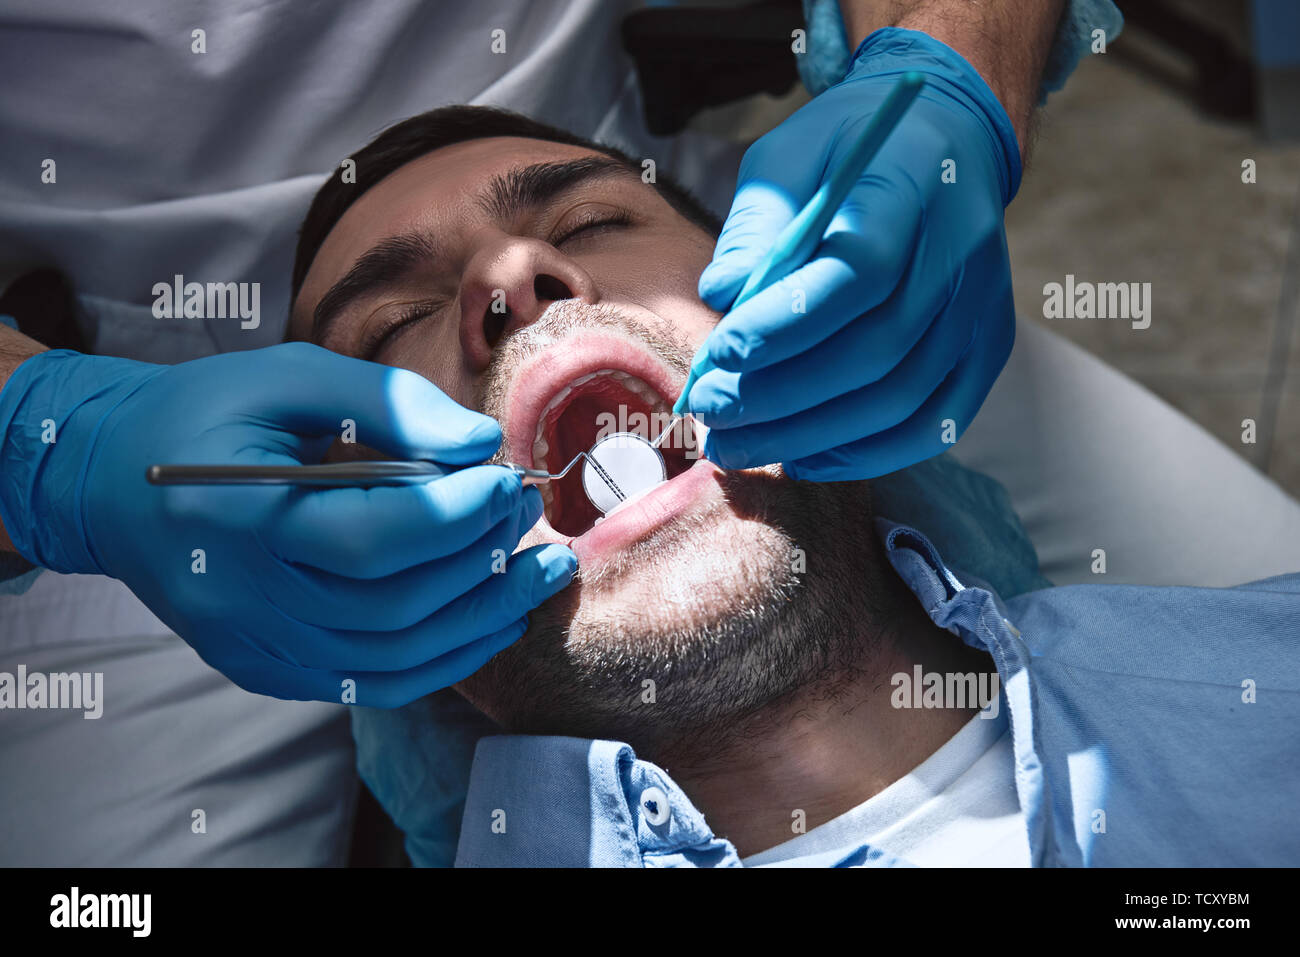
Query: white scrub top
<point x="169" y="161"/>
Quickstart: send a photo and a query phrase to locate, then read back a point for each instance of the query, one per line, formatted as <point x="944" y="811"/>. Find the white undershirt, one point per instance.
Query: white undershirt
<point x="958" y="808"/>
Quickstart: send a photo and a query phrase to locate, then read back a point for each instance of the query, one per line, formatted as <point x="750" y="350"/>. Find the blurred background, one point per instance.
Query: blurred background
<point x="1136" y="176"/>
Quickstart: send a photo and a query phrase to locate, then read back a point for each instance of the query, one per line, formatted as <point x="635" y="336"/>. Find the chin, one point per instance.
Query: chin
<point x="690" y="577"/>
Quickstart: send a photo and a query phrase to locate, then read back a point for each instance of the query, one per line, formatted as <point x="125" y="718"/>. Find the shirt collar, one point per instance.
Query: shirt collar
<point x="549" y="801"/>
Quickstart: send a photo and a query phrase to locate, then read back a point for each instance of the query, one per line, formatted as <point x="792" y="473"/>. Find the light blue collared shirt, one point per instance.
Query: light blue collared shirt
<point x="1151" y="727"/>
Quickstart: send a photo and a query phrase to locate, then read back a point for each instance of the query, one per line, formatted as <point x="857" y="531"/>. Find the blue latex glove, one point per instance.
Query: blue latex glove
<point x="907" y="314"/>
<point x="393" y="587"/>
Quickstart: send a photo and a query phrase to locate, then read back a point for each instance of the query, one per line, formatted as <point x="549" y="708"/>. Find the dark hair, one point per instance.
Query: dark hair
<point x="414" y="137"/>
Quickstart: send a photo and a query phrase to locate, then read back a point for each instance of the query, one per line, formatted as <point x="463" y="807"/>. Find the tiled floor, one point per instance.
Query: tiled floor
<point x="1129" y="183"/>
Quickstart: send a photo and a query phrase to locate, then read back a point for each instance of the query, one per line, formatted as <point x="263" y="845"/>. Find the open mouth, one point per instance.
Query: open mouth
<point x="581" y="392"/>
<point x="588" y="409"/>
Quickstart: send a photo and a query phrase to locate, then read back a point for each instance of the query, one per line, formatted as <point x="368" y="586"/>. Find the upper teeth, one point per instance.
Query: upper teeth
<point x="637" y="387"/>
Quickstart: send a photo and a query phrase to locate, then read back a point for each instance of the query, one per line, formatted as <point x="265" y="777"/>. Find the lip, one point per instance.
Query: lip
<point x="544" y="374"/>
<point x="639" y="518"/>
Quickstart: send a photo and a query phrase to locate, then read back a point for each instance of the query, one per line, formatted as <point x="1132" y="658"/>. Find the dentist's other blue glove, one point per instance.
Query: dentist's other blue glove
<point x="878" y="353"/>
<point x="391" y="592"/>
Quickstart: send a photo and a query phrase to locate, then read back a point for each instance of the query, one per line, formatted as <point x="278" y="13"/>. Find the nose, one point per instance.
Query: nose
<point x="507" y="284"/>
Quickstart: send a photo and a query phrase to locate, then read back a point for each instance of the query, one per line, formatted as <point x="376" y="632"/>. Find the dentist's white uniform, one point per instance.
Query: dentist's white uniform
<point x="172" y="162"/>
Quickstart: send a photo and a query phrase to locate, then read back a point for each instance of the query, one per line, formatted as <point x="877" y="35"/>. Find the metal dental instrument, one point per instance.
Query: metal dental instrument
<point x="335" y="474"/>
<point x="628" y="465"/>
<point x="667" y="430"/>
<point x="803" y="234"/>
<point x="372" y="473"/>
<point x="375" y="473"/>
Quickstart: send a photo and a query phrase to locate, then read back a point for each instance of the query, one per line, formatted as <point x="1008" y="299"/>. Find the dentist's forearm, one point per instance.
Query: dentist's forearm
<point x="14" y="348"/>
<point x="1007" y="41"/>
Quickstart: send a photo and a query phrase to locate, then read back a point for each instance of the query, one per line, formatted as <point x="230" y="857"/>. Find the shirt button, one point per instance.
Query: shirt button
<point x="654" y="805"/>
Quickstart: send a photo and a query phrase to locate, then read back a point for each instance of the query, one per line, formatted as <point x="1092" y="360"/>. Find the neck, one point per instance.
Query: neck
<point x="828" y="747"/>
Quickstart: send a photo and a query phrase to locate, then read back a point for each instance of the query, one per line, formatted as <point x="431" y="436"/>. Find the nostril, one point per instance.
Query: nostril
<point x="498" y="315"/>
<point x="549" y="289"/>
<point x="494" y="324"/>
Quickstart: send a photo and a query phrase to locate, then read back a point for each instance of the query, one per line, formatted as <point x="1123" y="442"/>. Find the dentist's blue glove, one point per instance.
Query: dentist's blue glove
<point x="288" y="591"/>
<point x="878" y="353"/>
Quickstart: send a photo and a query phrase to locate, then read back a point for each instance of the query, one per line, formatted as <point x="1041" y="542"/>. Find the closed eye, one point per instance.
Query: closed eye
<point x="592" y="223"/>
<point x="381" y="336"/>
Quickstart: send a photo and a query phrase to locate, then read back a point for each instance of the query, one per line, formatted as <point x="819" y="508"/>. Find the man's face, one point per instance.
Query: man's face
<point x="696" y="587"/>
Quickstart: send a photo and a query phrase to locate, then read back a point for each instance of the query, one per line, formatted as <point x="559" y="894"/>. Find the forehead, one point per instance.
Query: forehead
<point x="438" y="189"/>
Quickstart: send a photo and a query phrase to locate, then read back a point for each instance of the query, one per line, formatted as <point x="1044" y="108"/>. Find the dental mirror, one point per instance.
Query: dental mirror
<point x="619" y="467"/>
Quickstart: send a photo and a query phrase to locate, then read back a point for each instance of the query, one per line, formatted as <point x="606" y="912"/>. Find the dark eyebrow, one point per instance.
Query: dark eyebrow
<point x="506" y="194"/>
<point x="383" y="264"/>
<point x="532" y="186"/>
